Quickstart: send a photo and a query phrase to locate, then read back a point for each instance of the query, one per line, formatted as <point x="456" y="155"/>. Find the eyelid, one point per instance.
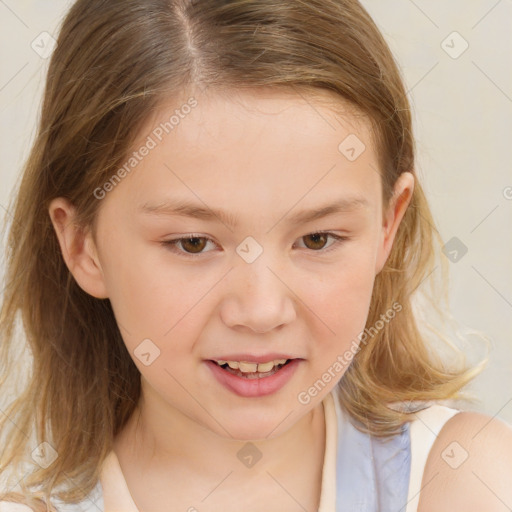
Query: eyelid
<point x="173" y="243"/>
<point x="338" y="239"/>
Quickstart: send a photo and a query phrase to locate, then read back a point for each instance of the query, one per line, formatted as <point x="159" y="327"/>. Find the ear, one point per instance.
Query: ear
<point x="398" y="203"/>
<point x="78" y="248"/>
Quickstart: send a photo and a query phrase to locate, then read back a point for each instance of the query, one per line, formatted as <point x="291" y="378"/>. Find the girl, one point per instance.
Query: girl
<point x="214" y="251"/>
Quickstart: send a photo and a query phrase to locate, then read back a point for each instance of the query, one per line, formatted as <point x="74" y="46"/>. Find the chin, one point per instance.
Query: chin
<point x="253" y="427"/>
<point x="254" y="433"/>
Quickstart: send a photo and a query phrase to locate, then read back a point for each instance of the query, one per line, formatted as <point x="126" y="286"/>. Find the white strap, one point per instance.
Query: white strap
<point x="328" y="491"/>
<point x="116" y="496"/>
<point x="424" y="430"/>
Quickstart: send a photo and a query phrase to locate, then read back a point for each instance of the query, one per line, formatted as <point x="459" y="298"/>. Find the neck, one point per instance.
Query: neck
<point x="160" y="440"/>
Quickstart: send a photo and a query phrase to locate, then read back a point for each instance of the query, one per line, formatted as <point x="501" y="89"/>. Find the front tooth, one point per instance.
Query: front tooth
<point x="233" y="365"/>
<point x="266" y="367"/>
<point x="247" y="367"/>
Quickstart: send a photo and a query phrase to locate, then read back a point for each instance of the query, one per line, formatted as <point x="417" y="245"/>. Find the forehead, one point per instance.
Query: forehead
<point x="226" y="116"/>
<point x="253" y="149"/>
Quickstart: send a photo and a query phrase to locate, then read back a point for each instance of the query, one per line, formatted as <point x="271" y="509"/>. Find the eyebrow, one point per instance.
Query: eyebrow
<point x="198" y="211"/>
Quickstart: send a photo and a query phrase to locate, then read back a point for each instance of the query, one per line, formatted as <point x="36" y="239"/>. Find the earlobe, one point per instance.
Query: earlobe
<point x="402" y="195"/>
<point x="78" y="248"/>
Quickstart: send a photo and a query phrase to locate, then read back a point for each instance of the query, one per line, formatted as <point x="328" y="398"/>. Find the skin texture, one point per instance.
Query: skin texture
<point x="469" y="468"/>
<point x="262" y="157"/>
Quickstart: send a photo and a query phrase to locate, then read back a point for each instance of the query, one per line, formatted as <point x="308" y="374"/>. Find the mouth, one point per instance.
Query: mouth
<point x="248" y="370"/>
<point x="248" y="380"/>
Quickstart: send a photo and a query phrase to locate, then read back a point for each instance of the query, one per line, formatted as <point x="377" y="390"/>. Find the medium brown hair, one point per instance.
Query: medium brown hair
<point x="115" y="63"/>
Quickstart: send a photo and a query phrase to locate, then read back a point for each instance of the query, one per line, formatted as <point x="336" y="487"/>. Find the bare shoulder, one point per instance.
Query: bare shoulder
<point x="469" y="466"/>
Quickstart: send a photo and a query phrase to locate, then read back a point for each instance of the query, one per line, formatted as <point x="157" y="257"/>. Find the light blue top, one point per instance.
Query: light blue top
<point x="372" y="474"/>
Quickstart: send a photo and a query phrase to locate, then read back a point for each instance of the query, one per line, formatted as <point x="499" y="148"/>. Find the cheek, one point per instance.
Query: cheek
<point x="341" y="300"/>
<point x="147" y="300"/>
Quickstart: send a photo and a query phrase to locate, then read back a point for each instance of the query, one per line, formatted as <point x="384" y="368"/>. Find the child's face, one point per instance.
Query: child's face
<point x="262" y="159"/>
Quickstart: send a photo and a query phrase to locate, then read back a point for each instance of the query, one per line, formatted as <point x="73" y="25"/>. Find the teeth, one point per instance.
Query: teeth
<point x="246" y="367"/>
<point x="265" y="367"/>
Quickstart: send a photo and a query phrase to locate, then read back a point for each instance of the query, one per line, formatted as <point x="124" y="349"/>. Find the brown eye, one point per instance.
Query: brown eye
<point x="193" y="245"/>
<point x="318" y="240"/>
<point x="188" y="246"/>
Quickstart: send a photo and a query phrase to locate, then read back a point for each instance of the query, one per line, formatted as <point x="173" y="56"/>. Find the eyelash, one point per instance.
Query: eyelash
<point x="173" y="244"/>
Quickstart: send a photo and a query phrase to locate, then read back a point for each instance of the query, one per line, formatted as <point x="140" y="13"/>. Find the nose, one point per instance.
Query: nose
<point x="257" y="298"/>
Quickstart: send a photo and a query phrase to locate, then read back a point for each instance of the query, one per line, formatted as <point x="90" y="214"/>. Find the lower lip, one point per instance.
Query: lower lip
<point x="263" y="386"/>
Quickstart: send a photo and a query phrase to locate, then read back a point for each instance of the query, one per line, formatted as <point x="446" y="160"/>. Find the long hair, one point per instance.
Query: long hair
<point x="114" y="64"/>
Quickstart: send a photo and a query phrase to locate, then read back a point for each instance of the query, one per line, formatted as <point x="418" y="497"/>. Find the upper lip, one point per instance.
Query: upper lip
<point x="251" y="358"/>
